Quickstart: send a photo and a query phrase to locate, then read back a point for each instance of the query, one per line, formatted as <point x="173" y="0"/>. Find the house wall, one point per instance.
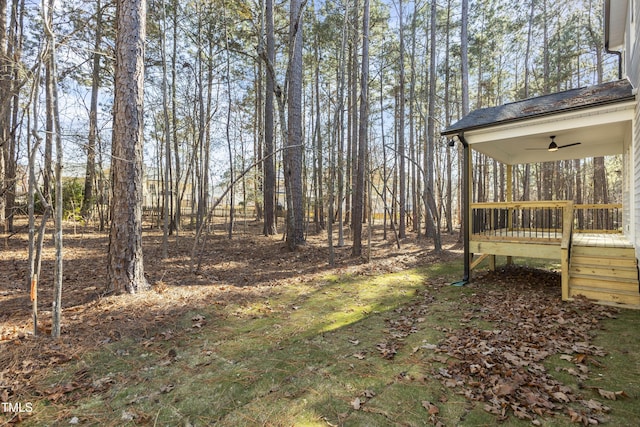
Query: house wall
<point x="632" y="69"/>
<point x="636" y="177"/>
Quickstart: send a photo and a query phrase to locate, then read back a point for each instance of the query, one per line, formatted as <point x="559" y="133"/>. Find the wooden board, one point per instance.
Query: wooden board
<point x="605" y="273"/>
<point x="526" y="250"/>
<point x="603" y="285"/>
<point x="620" y="298"/>
<point x="602" y="252"/>
<point x="577" y="259"/>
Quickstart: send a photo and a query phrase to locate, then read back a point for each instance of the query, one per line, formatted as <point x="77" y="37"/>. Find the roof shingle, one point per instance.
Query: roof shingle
<point x="574" y="99"/>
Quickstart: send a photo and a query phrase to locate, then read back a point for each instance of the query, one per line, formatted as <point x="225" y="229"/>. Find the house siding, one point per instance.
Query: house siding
<point x="636" y="179"/>
<point x="632" y="63"/>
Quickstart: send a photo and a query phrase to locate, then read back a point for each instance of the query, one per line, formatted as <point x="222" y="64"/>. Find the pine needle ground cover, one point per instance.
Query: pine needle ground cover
<point x="386" y="343"/>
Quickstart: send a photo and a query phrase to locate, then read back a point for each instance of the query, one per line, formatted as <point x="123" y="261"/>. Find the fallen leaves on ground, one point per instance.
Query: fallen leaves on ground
<point x="247" y="268"/>
<point x="404" y="322"/>
<point x="502" y="367"/>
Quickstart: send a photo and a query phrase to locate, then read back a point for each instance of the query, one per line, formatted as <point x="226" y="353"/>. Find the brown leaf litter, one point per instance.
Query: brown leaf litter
<point x="502" y="367"/>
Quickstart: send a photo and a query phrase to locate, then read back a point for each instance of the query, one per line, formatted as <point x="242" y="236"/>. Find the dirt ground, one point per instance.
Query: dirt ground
<point x="245" y="267"/>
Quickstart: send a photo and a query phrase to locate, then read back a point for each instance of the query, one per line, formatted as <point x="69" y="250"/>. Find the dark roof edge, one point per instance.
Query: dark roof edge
<point x="456" y="131"/>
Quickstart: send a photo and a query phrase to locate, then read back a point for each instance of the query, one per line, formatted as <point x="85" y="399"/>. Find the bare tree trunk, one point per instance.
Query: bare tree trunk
<point x="56" y="311"/>
<point x="385" y="180"/>
<point x="348" y="131"/>
<point x="449" y="191"/>
<point x="331" y="207"/>
<point x="54" y="120"/>
<point x="401" y="149"/>
<point x="13" y="105"/>
<point x="5" y="125"/>
<point x="352" y="119"/>
<point x="340" y="134"/>
<point x="545" y="48"/>
<point x="177" y="214"/>
<point x="319" y="217"/>
<point x="431" y="211"/>
<point x="528" y="49"/>
<point x="293" y="155"/>
<point x="168" y="184"/>
<point x="35" y="249"/>
<point x="232" y="208"/>
<point x="258" y="139"/>
<point x="464" y="89"/>
<point x="88" y="199"/>
<point x="125" y="267"/>
<point x="48" y="137"/>
<point x="203" y="168"/>
<point x="464" y="56"/>
<point x="358" y="206"/>
<point x="415" y="196"/>
<point x="269" y="165"/>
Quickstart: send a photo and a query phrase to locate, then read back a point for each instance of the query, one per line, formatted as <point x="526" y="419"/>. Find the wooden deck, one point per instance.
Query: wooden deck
<point x="597" y="260"/>
<point x="505" y="235"/>
<point x="599" y="266"/>
<point x="600" y="240"/>
<point x="604" y="240"/>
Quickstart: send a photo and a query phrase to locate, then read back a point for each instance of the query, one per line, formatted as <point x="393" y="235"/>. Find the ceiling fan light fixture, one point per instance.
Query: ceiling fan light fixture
<point x="553" y="146"/>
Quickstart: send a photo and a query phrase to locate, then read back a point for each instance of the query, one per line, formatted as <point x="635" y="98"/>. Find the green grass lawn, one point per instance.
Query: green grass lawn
<point x="313" y="354"/>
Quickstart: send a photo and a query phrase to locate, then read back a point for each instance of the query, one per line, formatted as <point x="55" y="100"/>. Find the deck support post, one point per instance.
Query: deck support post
<point x="467" y="188"/>
<point x="509" y="199"/>
<point x="564" y="254"/>
<point x="565" y="247"/>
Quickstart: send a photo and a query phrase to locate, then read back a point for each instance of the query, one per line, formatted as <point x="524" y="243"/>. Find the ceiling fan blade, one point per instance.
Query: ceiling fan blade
<point x="569" y="145"/>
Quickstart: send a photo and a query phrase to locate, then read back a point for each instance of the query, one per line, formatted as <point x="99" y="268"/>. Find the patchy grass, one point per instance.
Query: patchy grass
<point x="264" y="336"/>
<point x="281" y="360"/>
<point x="316" y="353"/>
<point x="615" y="375"/>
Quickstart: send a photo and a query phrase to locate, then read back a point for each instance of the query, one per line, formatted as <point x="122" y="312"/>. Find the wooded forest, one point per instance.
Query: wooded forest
<point x="230" y="213"/>
<point x="307" y="116"/>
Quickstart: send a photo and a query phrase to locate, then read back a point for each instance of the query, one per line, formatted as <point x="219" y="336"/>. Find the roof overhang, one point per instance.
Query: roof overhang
<point x="601" y="131"/>
<point x="615" y="20"/>
<point x="599" y="117"/>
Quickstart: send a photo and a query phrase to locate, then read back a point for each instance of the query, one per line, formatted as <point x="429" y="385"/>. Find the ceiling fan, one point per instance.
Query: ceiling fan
<point x="555" y="147"/>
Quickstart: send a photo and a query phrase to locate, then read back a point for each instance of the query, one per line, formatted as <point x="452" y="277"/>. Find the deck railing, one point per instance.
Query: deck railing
<point x="545" y="220"/>
<point x="602" y="218"/>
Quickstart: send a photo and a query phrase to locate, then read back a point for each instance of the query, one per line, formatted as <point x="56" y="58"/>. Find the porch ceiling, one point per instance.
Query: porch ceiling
<point x="601" y="131"/>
